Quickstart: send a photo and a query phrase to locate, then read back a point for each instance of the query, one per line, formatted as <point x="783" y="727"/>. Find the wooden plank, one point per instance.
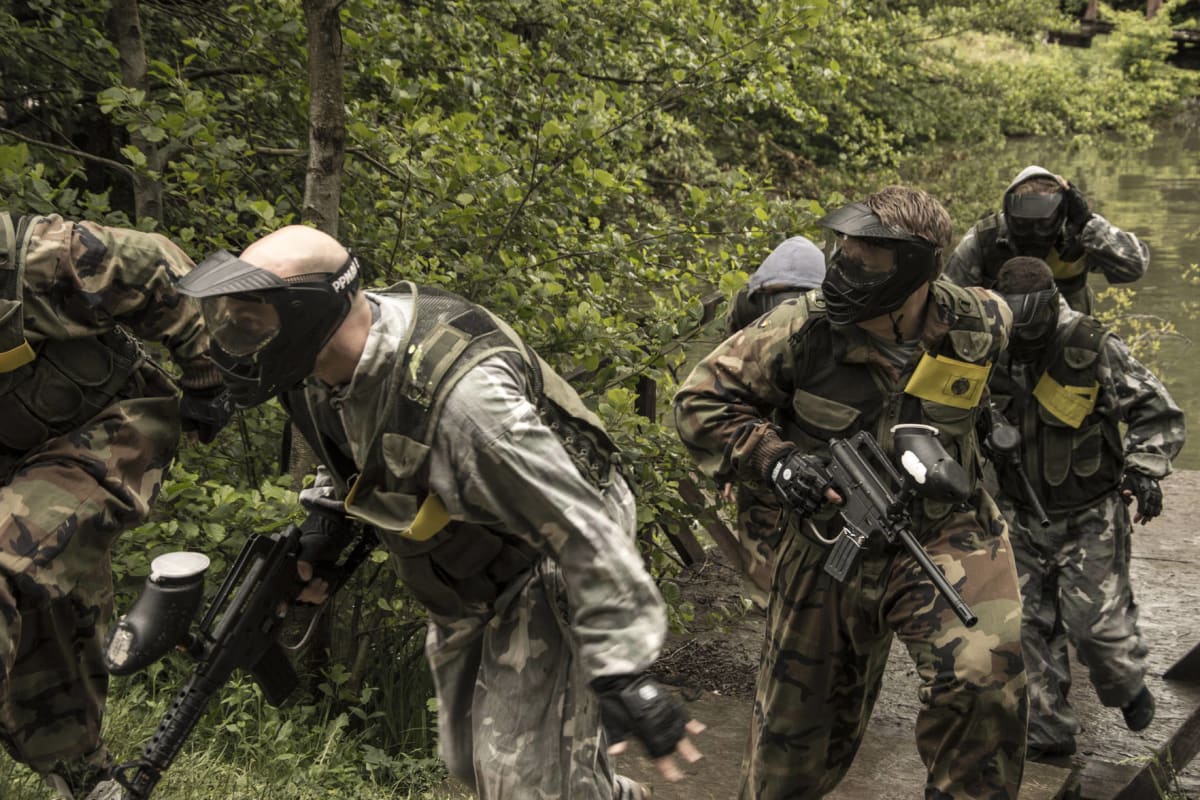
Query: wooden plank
<point x="724" y="538"/>
<point x="1173" y="756"/>
<point x="1186" y="669"/>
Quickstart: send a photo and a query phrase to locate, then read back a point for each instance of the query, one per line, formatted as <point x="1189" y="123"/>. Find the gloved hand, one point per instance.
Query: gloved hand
<point x="1070" y="244"/>
<point x="1148" y="493"/>
<point x="324" y="531"/>
<point x="1078" y="212"/>
<point x="800" y="481"/>
<point x="205" y="411"/>
<point x="636" y="705"/>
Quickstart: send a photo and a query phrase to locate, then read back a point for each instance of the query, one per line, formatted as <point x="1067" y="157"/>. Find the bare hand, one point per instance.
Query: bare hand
<point x="666" y="765"/>
<point x="317" y="590"/>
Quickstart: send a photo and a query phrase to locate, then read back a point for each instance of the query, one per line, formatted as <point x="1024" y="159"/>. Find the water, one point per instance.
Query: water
<point x="1152" y="190"/>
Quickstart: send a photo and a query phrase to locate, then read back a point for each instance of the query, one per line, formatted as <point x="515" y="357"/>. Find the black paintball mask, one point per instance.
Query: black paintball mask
<point x="1034" y="221"/>
<point x="266" y="330"/>
<point x="1035" y="316"/>
<point x="853" y="290"/>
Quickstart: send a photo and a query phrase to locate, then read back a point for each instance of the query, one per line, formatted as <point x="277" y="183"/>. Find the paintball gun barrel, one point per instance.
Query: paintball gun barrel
<point x="239" y="631"/>
<point x="876" y="498"/>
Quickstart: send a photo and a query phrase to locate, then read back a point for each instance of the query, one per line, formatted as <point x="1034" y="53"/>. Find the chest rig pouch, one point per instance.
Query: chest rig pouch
<point x="1080" y="451"/>
<point x="53" y="388"/>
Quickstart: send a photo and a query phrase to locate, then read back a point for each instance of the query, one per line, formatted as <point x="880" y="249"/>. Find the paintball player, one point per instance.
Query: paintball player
<point x="496" y="491"/>
<point x="882" y="343"/>
<point x="794" y="267"/>
<point x="89" y="424"/>
<point x="1068" y="384"/>
<point x="1047" y="217"/>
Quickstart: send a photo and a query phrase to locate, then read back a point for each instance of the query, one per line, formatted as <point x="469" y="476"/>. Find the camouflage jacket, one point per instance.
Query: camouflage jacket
<point x="1119" y="255"/>
<point x="82" y="279"/>
<point x="1127" y="394"/>
<point x="510" y="489"/>
<point x="735" y="409"/>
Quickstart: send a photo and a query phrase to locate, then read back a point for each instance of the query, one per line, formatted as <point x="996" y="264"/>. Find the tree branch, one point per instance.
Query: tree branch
<point x="108" y="162"/>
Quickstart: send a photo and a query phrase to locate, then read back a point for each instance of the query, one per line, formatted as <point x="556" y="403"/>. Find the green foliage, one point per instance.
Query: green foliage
<point x="589" y="170"/>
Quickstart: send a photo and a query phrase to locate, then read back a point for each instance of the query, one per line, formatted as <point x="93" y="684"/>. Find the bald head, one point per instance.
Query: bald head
<point x="296" y="250"/>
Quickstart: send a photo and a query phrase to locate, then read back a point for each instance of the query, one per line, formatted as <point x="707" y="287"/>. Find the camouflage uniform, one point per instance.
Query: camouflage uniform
<point x="1075" y="574"/>
<point x="88" y="425"/>
<point x="1107" y="249"/>
<point x="827" y="642"/>
<point x="535" y="586"/>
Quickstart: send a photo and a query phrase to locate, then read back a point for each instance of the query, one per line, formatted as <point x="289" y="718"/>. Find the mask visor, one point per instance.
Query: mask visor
<point x="1034" y="216"/>
<point x="1033" y="314"/>
<point x="857" y="273"/>
<point x="241" y="324"/>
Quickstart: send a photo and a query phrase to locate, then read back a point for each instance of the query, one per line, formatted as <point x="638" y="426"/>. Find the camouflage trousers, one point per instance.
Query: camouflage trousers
<point x="827" y="645"/>
<point x="517" y="719"/>
<point x="1075" y="586"/>
<point x="60" y="510"/>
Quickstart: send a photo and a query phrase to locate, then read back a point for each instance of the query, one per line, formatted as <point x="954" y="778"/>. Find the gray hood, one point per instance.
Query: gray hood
<point x="1032" y="171"/>
<point x="797" y="263"/>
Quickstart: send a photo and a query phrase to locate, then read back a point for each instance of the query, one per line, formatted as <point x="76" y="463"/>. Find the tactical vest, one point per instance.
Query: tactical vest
<point x="1070" y="276"/>
<point x="1072" y="454"/>
<point x="54" y="387"/>
<point x="447" y="337"/>
<point x="834" y="399"/>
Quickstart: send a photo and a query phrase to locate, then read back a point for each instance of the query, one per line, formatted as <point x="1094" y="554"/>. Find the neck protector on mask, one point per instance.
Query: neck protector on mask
<point x="267" y="331"/>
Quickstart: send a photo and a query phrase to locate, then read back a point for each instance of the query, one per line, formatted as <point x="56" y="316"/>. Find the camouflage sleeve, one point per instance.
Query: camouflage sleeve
<point x="496" y="463"/>
<point x="90" y="277"/>
<point x="997" y="317"/>
<point x="965" y="265"/>
<point x="1134" y="395"/>
<point x="1119" y="255"/>
<point x="723" y="409"/>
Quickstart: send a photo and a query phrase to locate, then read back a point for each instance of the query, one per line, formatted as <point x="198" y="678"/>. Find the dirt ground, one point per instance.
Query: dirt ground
<point x="713" y="667"/>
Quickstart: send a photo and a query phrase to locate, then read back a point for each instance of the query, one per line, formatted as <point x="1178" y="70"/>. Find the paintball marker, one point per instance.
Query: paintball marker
<point x="238" y="631"/>
<point x="1003" y="444"/>
<point x="876" y="498"/>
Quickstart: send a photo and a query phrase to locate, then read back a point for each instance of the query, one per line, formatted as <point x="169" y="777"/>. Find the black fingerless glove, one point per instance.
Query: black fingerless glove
<point x="800" y="481"/>
<point x="1147" y="491"/>
<point x="205" y="411"/>
<point x="636" y="705"/>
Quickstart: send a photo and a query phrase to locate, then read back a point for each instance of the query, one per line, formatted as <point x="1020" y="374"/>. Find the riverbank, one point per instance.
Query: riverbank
<point x="713" y="665"/>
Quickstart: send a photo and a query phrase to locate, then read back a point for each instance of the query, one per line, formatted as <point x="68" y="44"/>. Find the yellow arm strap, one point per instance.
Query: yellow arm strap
<point x="1065" y="269"/>
<point x="947" y="381"/>
<point x="431" y="518"/>
<point x="17" y="357"/>
<point x="1071" y="404"/>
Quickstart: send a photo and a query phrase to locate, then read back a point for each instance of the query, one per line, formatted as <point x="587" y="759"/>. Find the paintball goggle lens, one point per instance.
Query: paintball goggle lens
<point x="1033" y="313"/>
<point x="1035" y="216"/>
<point x="241" y="324"/>
<point x="858" y="272"/>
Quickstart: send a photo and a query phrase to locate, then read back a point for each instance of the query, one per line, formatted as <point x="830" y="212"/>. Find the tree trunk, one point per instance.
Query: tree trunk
<point x="1093" y="10"/>
<point x="125" y="28"/>
<point x="1152" y="7"/>
<point x="326" y="115"/>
